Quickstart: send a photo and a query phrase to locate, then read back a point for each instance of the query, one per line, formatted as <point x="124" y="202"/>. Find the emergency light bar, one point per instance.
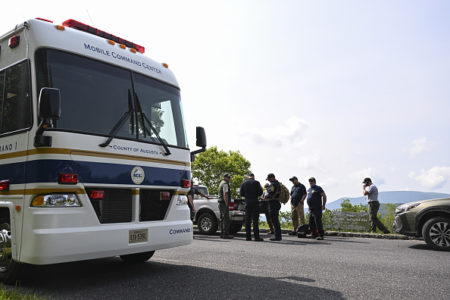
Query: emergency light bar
<point x="92" y="30"/>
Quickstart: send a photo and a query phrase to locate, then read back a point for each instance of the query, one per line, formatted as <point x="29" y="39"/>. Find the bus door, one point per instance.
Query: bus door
<point x="15" y="122"/>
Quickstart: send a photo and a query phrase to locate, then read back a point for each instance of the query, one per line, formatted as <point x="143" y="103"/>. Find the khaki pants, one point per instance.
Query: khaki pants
<point x="298" y="212"/>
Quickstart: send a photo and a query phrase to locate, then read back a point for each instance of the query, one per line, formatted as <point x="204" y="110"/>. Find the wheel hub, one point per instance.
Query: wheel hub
<point x="440" y="234"/>
<point x="206" y="224"/>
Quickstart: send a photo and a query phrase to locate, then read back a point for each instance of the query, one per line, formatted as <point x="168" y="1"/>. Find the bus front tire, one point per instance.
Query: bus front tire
<point x="9" y="269"/>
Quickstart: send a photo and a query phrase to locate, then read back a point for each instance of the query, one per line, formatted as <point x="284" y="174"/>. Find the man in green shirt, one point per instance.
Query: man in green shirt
<point x="224" y="200"/>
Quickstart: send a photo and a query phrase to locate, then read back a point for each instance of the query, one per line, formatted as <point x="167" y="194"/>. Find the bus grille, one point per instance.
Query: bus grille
<point x="154" y="204"/>
<point x="114" y="207"/>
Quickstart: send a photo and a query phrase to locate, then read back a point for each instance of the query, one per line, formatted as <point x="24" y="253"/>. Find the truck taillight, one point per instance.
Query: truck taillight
<point x="68" y="178"/>
<point x="231" y="205"/>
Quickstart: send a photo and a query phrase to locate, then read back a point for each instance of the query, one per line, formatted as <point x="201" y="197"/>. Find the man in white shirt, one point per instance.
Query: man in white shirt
<point x="371" y="192"/>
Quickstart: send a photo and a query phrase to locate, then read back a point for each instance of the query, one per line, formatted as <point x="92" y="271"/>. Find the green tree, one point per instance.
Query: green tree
<point x="209" y="167"/>
<point x="347" y="206"/>
<point x="286" y="219"/>
<point x="388" y="215"/>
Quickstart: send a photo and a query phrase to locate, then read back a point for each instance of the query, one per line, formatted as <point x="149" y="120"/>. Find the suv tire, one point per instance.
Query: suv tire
<point x="137" y="258"/>
<point x="207" y="223"/>
<point x="436" y="233"/>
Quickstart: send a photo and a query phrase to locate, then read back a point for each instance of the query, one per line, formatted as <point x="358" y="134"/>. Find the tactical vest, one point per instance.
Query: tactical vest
<point x="221" y="191"/>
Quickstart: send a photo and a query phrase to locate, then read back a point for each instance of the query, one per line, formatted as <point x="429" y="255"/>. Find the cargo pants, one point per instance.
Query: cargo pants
<point x="298" y="212"/>
<point x="224" y="219"/>
<point x="374" y="206"/>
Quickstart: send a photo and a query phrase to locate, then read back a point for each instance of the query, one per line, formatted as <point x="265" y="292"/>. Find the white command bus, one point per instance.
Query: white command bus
<point x="94" y="160"/>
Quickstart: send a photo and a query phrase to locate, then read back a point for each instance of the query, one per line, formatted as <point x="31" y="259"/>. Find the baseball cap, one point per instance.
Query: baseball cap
<point x="366" y="180"/>
<point x="227" y="175"/>
<point x="271" y="175"/>
<point x="292" y="178"/>
<point x="251" y="175"/>
<point x="312" y="179"/>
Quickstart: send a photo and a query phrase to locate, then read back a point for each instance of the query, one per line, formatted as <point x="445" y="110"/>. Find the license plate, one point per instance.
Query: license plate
<point x="138" y="236"/>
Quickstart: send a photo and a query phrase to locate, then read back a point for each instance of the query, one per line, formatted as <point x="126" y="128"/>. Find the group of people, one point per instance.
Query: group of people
<point x="267" y="201"/>
<point x="269" y="204"/>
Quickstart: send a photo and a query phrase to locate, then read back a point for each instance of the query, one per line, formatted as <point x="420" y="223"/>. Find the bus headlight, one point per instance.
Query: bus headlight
<point x="182" y="200"/>
<point x="56" y="200"/>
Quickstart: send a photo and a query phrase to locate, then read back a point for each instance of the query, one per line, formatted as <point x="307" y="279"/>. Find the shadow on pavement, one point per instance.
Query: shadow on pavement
<point x="286" y="240"/>
<point x="113" y="279"/>
<point x="424" y="246"/>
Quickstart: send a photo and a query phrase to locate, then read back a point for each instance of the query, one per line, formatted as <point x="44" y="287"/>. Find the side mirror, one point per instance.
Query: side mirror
<point x="201" y="142"/>
<point x="201" y="137"/>
<point x="49" y="112"/>
<point x="49" y="104"/>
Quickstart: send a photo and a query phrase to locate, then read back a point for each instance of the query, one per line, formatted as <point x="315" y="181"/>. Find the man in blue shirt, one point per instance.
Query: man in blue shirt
<point x="316" y="202"/>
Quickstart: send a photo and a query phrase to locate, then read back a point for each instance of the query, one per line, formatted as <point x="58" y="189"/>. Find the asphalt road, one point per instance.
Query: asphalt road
<point x="212" y="268"/>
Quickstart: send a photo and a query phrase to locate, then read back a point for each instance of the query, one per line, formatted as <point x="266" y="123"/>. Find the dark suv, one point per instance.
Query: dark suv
<point x="429" y="219"/>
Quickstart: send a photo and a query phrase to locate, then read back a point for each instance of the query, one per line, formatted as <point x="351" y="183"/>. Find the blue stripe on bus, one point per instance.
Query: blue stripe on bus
<point x="47" y="170"/>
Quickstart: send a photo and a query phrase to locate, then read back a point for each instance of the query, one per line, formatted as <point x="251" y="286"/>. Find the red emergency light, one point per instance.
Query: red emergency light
<point x="164" y="196"/>
<point x="68" y="179"/>
<point x="92" y="30"/>
<point x="98" y="195"/>
<point x="4" y="185"/>
<point x="45" y="20"/>
<point x="185" y="183"/>
<point x="14" y="41"/>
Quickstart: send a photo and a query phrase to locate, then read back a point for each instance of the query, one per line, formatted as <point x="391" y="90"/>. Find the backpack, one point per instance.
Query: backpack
<point x="284" y="195"/>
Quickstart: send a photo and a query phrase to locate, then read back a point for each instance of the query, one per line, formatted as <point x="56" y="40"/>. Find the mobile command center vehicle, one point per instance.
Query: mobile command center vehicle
<point x="94" y="160"/>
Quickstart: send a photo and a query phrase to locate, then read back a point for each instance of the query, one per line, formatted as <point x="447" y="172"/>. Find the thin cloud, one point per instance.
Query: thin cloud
<point x="367" y="172"/>
<point x="309" y="162"/>
<point x="420" y="146"/>
<point x="291" y="133"/>
<point x="434" y="178"/>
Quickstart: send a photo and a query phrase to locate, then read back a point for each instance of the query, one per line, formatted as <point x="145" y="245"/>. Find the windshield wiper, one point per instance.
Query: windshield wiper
<point x="112" y="134"/>
<point x="145" y="119"/>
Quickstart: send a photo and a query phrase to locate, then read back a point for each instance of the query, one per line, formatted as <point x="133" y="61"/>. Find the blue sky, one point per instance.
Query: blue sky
<point x="339" y="90"/>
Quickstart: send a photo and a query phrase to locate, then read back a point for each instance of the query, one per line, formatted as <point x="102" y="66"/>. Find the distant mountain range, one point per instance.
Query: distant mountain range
<point x="395" y="197"/>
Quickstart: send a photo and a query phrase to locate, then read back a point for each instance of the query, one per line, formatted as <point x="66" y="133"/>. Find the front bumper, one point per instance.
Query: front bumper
<point x="237" y="216"/>
<point x="57" y="245"/>
<point x="403" y="226"/>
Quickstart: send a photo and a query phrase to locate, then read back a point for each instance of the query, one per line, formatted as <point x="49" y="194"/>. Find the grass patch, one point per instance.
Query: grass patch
<point x="11" y="294"/>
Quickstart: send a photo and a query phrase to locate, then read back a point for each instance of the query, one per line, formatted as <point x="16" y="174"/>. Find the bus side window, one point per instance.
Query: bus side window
<point x="16" y="99"/>
<point x="2" y="93"/>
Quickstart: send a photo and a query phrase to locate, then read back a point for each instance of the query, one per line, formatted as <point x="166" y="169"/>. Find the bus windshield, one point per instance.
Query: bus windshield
<point x="95" y="95"/>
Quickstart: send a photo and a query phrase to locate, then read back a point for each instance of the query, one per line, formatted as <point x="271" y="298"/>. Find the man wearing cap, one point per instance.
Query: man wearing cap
<point x="224" y="199"/>
<point x="316" y="202"/>
<point x="298" y="195"/>
<point x="274" y="205"/>
<point x="371" y="192"/>
<point x="251" y="190"/>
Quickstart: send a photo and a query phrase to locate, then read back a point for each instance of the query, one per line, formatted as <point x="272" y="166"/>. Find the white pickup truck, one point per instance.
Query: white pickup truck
<point x="207" y="214"/>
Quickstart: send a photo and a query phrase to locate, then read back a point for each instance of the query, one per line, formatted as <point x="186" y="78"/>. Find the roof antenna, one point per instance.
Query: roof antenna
<point x="92" y="22"/>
